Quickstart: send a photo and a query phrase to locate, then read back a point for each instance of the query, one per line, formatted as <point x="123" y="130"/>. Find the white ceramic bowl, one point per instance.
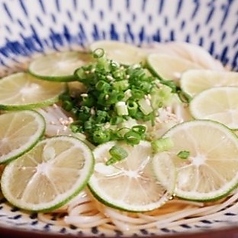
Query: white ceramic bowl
<point x="38" y="26"/>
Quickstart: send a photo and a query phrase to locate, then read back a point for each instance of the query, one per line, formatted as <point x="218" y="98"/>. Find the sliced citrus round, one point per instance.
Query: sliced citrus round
<point x="49" y="175"/>
<point x="19" y="132"/>
<point x="129" y="184"/>
<point x="219" y="104"/>
<point x="59" y="66"/>
<point x="23" y="91"/>
<point x="188" y="51"/>
<point x="121" y="52"/>
<point x="195" y="81"/>
<point x="205" y="155"/>
<point x="169" y="67"/>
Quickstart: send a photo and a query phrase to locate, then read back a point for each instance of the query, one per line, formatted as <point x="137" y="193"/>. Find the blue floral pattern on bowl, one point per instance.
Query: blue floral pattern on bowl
<point x="40" y="25"/>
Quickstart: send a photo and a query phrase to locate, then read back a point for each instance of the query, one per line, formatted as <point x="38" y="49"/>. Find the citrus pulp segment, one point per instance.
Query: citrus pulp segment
<point x="49" y="175"/>
<point x="129" y="184"/>
<point x="195" y="81"/>
<point x="209" y="171"/>
<point x="169" y="67"/>
<point x="19" y="132"/>
<point x="219" y="104"/>
<point x="123" y="53"/>
<point x="23" y="91"/>
<point x="59" y="66"/>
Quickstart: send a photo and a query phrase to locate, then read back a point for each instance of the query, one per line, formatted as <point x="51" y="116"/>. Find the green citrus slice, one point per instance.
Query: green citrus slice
<point x="219" y="104"/>
<point x="205" y="155"/>
<point x="121" y="52"/>
<point x="195" y="81"/>
<point x="22" y="91"/>
<point x="49" y="175"/>
<point x="169" y="67"/>
<point x="188" y="51"/>
<point x="131" y="183"/>
<point x="19" y="132"/>
<point x="59" y="66"/>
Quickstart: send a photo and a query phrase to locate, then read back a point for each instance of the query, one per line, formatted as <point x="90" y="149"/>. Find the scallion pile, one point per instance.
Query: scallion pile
<point x="117" y="101"/>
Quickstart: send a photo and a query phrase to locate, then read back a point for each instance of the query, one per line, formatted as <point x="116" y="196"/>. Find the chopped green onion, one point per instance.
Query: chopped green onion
<point x="102" y="85"/>
<point x="67" y="105"/>
<point x="146" y="87"/>
<point x="145" y="106"/>
<point x="119" y="73"/>
<point x="127" y="95"/>
<point x="162" y="144"/>
<point x="101" y="136"/>
<point x="74" y="128"/>
<point x="88" y="125"/>
<point x="102" y="116"/>
<point x="140" y="129"/>
<point x="121" y="85"/>
<point x="121" y="108"/>
<point x="117" y="153"/>
<point x="80" y="74"/>
<point x="114" y="67"/>
<point x="184" y="154"/>
<point x="88" y="101"/>
<point x="119" y="133"/>
<point x="116" y="120"/>
<point x="132" y="107"/>
<point x="137" y="94"/>
<point x="132" y="137"/>
<point x="98" y="53"/>
<point x="101" y="99"/>
<point x="113" y="97"/>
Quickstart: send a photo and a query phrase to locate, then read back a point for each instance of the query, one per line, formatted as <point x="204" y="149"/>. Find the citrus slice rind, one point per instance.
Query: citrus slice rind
<point x="210" y="171"/>
<point x="195" y="81"/>
<point x="59" y="66"/>
<point x="218" y="104"/>
<point x="169" y="67"/>
<point x="49" y="175"/>
<point x="123" y="53"/>
<point x="21" y="91"/>
<point x="19" y="132"/>
<point x="129" y="184"/>
<point x="164" y="170"/>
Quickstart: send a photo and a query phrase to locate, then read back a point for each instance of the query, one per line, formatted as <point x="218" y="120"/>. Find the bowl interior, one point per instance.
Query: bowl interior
<point x="41" y="26"/>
